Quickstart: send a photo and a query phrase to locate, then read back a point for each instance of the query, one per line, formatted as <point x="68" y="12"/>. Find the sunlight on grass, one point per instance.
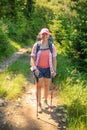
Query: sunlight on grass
<point x="15" y="44"/>
<point x="75" y="99"/>
<point x="3" y="91"/>
<point x="12" y="86"/>
<point x="29" y="50"/>
<point x="74" y="126"/>
<point x="73" y="92"/>
<point x="16" y="86"/>
<point x="14" y="78"/>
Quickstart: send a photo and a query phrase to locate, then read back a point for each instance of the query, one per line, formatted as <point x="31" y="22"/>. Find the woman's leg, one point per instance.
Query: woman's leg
<point x="40" y="84"/>
<point x="46" y="87"/>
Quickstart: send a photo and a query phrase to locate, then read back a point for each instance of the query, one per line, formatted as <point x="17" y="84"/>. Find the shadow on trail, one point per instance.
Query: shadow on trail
<point x="57" y="116"/>
<point x="31" y="126"/>
<point x="36" y="124"/>
<point x="18" y="121"/>
<point x="4" y="125"/>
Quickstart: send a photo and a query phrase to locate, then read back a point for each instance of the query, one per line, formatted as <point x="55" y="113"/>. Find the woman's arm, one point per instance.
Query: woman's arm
<point x="54" y="63"/>
<point x="32" y="61"/>
<point x="33" y="58"/>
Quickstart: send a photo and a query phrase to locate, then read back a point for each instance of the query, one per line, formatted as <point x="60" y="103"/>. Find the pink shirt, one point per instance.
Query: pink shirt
<point x="43" y="61"/>
<point x="47" y="59"/>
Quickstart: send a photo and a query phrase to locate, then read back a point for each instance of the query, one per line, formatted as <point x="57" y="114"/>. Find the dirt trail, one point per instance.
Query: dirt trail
<point x="21" y="114"/>
<point x="13" y="58"/>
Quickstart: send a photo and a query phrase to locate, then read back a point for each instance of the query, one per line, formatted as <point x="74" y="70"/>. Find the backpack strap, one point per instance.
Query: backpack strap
<point x="38" y="47"/>
<point x="50" y="47"/>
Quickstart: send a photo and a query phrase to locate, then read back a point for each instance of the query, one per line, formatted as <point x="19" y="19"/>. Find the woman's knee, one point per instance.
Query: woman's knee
<point x="47" y="82"/>
<point x="40" y="82"/>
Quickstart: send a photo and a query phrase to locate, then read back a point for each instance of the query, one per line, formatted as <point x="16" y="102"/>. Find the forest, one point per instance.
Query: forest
<point x="20" y="22"/>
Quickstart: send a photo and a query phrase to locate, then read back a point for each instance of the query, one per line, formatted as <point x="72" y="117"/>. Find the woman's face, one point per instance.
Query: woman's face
<point x="45" y="36"/>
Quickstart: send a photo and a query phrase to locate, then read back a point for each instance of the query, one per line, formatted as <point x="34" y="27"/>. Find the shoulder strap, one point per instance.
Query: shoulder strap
<point x="50" y="42"/>
<point x="37" y="48"/>
<point x="50" y="46"/>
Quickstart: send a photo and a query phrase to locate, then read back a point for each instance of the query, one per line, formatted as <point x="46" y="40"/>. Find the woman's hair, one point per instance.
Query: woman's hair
<point x="38" y="38"/>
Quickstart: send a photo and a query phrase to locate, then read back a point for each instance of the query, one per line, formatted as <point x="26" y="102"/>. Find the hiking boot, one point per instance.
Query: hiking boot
<point x="39" y="108"/>
<point x="46" y="106"/>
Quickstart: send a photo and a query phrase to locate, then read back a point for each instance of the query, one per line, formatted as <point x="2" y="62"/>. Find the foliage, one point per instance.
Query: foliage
<point x="65" y="19"/>
<point x="39" y="20"/>
<point x="79" y="40"/>
<point x="4" y="42"/>
<point x="13" y="79"/>
<point x="73" y="96"/>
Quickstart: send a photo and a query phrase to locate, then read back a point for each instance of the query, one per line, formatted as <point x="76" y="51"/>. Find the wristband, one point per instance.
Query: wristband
<point x="34" y="68"/>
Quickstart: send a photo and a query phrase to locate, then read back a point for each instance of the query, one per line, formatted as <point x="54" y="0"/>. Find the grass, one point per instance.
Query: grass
<point x="13" y="79"/>
<point x="75" y="99"/>
<point x="73" y="93"/>
<point x="10" y="48"/>
<point x="14" y="44"/>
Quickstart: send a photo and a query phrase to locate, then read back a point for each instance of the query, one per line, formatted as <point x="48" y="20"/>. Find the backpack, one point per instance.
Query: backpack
<point x="50" y="42"/>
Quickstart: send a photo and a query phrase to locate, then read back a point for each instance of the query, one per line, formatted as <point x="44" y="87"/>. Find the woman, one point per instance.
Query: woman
<point x="43" y="63"/>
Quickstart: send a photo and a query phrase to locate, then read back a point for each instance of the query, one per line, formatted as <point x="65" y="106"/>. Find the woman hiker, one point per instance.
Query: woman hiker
<point x="43" y="64"/>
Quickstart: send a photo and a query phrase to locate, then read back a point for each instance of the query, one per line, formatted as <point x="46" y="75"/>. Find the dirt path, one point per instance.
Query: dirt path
<point x="21" y="114"/>
<point x="13" y="58"/>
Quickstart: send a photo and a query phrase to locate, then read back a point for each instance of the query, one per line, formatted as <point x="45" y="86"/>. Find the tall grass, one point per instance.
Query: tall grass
<point x="73" y="93"/>
<point x="13" y="79"/>
<point x="75" y="99"/>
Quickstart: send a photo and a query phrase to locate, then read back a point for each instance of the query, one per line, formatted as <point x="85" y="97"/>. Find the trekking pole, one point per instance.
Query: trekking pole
<point x="52" y="87"/>
<point x="36" y="96"/>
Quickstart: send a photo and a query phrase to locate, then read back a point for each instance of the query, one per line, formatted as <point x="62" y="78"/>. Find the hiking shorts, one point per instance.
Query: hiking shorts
<point x="44" y="73"/>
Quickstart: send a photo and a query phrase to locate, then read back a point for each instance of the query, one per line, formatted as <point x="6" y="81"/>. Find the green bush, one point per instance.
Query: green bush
<point x="3" y="39"/>
<point x="6" y="49"/>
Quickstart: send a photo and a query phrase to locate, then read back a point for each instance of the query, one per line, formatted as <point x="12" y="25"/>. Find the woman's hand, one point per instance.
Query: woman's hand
<point x="53" y="73"/>
<point x="36" y="72"/>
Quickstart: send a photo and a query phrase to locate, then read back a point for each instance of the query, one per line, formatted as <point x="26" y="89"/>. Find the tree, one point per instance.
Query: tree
<point x="29" y="7"/>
